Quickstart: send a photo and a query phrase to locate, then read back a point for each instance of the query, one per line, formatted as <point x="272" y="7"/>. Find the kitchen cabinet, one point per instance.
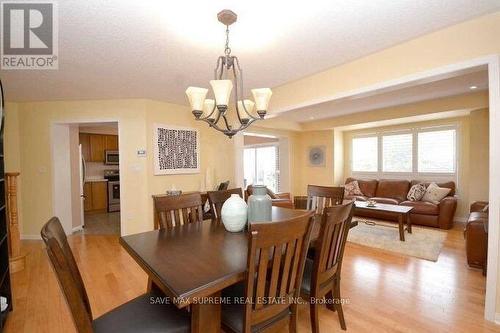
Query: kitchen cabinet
<point x="94" y="146"/>
<point x="85" y="142"/>
<point x="111" y="142"/>
<point x="96" y="197"/>
<point x="97" y="148"/>
<point x="87" y="192"/>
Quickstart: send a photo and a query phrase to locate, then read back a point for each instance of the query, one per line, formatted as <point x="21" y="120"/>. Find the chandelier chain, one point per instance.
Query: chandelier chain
<point x="227" y="49"/>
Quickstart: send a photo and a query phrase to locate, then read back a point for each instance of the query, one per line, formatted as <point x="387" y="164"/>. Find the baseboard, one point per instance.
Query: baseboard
<point x="78" y="228"/>
<point x="31" y="237"/>
<point x="497" y="318"/>
<point x="460" y="219"/>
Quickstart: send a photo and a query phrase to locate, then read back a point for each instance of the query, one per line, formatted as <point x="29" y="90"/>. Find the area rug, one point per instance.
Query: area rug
<point x="425" y="243"/>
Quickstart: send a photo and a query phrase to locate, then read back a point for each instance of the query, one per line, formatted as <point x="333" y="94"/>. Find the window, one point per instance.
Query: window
<point x="364" y="154"/>
<point x="261" y="166"/>
<point x="407" y="154"/>
<point x="397" y="153"/>
<point x="437" y="151"/>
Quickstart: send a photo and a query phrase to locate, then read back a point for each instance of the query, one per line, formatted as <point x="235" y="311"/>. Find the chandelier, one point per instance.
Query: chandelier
<point x="228" y="74"/>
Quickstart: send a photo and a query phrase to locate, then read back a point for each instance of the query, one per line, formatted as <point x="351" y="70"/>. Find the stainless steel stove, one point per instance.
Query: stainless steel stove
<point x="113" y="177"/>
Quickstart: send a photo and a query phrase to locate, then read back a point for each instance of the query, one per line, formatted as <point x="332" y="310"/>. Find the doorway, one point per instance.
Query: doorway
<point x="87" y="177"/>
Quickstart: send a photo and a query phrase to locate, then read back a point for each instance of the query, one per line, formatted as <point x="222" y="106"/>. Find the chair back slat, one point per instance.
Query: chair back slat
<point x="171" y="211"/>
<point x="276" y="257"/>
<point x="217" y="198"/>
<point x="330" y="246"/>
<point x="68" y="274"/>
<point x="321" y="197"/>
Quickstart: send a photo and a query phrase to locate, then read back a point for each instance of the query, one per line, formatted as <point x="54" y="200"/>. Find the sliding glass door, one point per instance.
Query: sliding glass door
<point x="261" y="166"/>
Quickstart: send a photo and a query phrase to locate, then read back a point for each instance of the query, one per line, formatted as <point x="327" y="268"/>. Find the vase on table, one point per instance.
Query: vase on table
<point x="234" y="213"/>
<point x="259" y="204"/>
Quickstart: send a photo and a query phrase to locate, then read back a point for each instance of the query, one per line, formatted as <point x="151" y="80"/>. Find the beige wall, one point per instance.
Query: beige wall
<point x="479" y="156"/>
<point x="136" y="119"/>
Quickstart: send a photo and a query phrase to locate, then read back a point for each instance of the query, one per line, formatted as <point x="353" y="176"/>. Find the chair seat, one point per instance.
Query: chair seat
<point x="307" y="277"/>
<point x="140" y="315"/>
<point x="233" y="314"/>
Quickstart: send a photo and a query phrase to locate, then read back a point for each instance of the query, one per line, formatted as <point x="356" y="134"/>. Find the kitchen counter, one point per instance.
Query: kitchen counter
<point x="95" y="180"/>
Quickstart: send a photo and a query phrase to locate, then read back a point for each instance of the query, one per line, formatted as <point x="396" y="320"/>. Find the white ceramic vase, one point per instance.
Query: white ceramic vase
<point x="234" y="213"/>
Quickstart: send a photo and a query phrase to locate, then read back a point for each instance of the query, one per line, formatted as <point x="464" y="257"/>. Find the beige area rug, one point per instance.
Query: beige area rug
<point x="425" y="243"/>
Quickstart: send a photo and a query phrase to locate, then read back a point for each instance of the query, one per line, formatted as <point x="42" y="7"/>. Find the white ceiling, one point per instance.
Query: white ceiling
<point x="450" y="86"/>
<point x="155" y="49"/>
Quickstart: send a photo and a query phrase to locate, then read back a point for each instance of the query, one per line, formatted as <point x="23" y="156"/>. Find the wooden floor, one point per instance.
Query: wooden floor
<point x="386" y="292"/>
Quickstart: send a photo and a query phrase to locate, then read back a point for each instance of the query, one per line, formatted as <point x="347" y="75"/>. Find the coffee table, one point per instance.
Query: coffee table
<point x="402" y="213"/>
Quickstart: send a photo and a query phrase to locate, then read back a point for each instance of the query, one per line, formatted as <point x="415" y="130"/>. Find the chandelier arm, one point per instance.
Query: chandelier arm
<point x="241" y="87"/>
<point x="236" y="96"/>
<point x="226" y="122"/>
<point x="212" y="112"/>
<point x="219" y="65"/>
<point x="214" y="125"/>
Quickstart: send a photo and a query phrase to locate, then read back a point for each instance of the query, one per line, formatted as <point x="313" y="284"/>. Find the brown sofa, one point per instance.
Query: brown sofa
<point x="476" y="235"/>
<point x="394" y="192"/>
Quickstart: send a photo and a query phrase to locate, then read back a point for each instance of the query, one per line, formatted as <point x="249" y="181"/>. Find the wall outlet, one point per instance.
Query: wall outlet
<point x="141" y="153"/>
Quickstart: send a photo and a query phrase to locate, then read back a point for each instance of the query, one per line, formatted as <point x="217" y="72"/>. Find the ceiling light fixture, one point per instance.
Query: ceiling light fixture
<point x="472" y="87"/>
<point x="228" y="74"/>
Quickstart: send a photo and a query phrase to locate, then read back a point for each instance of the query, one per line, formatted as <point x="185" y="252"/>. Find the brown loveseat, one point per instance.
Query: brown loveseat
<point x="395" y="191"/>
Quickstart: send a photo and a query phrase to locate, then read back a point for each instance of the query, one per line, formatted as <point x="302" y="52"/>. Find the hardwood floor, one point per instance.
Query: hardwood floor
<point x="385" y="292"/>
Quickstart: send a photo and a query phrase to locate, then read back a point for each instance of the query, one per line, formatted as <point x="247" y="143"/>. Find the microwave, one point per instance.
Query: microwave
<point x="112" y="157"/>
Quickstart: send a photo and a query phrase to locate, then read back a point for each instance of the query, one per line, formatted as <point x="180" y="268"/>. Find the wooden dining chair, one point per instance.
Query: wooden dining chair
<point x="322" y="276"/>
<point x="320" y="197"/>
<point x="217" y="198"/>
<point x="275" y="263"/>
<point x="137" y="315"/>
<point x="173" y="210"/>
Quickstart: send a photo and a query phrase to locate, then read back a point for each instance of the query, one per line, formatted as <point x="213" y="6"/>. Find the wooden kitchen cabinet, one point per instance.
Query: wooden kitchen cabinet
<point x="111" y="142"/>
<point x="94" y="146"/>
<point x="85" y="142"/>
<point x="87" y="192"/>
<point x="96" y="197"/>
<point x="97" y="148"/>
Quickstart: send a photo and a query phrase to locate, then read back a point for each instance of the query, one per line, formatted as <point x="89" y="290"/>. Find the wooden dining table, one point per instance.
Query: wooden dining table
<point x="192" y="263"/>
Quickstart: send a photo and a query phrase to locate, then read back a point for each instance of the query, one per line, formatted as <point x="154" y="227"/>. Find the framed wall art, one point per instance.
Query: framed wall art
<point x="176" y="150"/>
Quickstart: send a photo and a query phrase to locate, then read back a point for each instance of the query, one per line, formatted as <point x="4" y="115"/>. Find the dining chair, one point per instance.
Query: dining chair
<point x="223" y="186"/>
<point x="173" y="210"/>
<point x="322" y="275"/>
<point x="275" y="263"/>
<point x="320" y="197"/>
<point x="137" y="315"/>
<point x="217" y="198"/>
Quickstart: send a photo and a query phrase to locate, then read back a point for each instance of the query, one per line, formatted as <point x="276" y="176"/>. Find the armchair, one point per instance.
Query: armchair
<point x="281" y="199"/>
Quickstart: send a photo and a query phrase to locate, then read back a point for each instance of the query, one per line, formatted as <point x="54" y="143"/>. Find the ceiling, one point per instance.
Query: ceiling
<point x="156" y="49"/>
<point x="459" y="84"/>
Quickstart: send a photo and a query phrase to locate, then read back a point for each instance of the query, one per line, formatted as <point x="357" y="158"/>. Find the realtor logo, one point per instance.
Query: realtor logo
<point x="29" y="35"/>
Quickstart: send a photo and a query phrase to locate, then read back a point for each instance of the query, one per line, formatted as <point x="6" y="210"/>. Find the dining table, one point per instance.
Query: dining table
<point x="192" y="263"/>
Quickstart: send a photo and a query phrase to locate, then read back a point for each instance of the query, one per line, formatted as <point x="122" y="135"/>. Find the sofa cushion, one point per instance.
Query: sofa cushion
<point x="450" y="185"/>
<point x="352" y="188"/>
<point x="394" y="189"/>
<point x="385" y="200"/>
<point x="422" y="207"/>
<point x="416" y="192"/>
<point x="368" y="187"/>
<point x="435" y="194"/>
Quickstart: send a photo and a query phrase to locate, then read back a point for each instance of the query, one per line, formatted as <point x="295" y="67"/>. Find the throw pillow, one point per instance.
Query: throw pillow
<point x="435" y="193"/>
<point x="352" y="189"/>
<point x="416" y="192"/>
<point x="485" y="209"/>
